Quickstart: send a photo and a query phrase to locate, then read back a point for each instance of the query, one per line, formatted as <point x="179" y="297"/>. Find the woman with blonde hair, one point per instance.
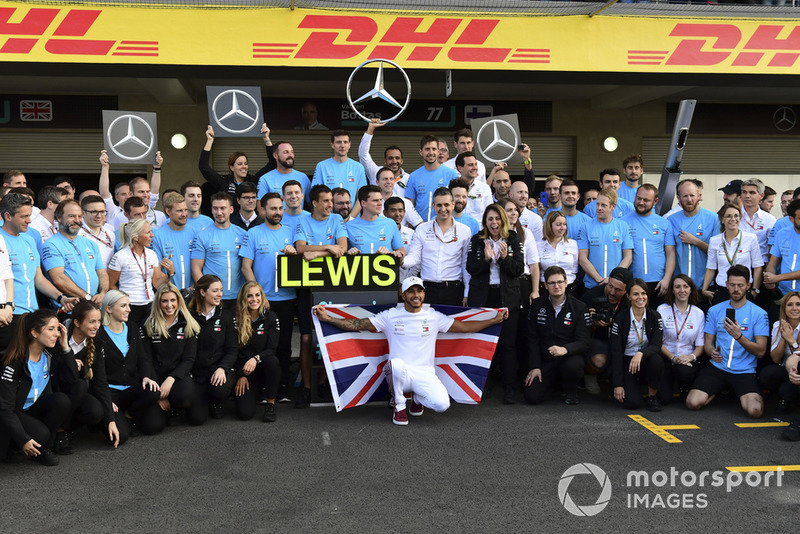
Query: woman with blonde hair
<point x="257" y="365"/>
<point x="136" y="270"/>
<point x="558" y="249"/>
<point x="169" y="337"/>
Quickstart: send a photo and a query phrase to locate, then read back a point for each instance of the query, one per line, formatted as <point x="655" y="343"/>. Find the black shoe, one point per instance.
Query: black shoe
<point x="174" y="418"/>
<point x="262" y="396"/>
<point x="284" y="394"/>
<point x="571" y="398"/>
<point x="133" y="430"/>
<point x="304" y="400"/>
<point x="269" y="413"/>
<point x="653" y="404"/>
<point x="792" y="432"/>
<point x="47" y="457"/>
<point x="63" y="446"/>
<point x="508" y="396"/>
<point x="14" y="456"/>
<point x="323" y="391"/>
<point x="782" y="407"/>
<point x="216" y="410"/>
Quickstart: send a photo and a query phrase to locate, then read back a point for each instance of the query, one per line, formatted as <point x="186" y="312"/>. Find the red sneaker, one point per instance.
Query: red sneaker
<point x="416" y="409"/>
<point x="400" y="417"/>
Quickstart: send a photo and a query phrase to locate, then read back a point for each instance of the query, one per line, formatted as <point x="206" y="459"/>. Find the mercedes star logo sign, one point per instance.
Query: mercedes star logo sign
<point x="784" y="118"/>
<point x="499" y="141"/>
<point x="130" y="145"/>
<point x="378" y="91"/>
<point x="240" y="118"/>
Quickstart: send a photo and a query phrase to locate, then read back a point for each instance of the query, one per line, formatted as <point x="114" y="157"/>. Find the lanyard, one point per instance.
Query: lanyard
<point x="735" y="250"/>
<point x="109" y="243"/>
<point x="455" y="233"/>
<point x="143" y="271"/>
<point x="675" y="318"/>
<point x="639" y="335"/>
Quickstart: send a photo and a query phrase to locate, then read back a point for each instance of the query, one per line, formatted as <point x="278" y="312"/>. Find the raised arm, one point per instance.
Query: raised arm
<point x="351" y="325"/>
<point x="477" y="326"/>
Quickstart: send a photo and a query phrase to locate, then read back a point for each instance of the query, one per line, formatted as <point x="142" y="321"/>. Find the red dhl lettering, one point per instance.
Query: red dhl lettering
<point x="65" y="37"/>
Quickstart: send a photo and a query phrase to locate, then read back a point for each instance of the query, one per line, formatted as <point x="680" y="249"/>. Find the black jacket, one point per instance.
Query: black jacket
<point x="217" y="345"/>
<point x="15" y="384"/>
<point x="596" y="298"/>
<point x="511" y="268"/>
<point x="237" y="220"/>
<point x="620" y="329"/>
<point x="124" y="370"/>
<point x="226" y="183"/>
<point x="263" y="341"/>
<point x="570" y="329"/>
<point x="98" y="385"/>
<point x="173" y="356"/>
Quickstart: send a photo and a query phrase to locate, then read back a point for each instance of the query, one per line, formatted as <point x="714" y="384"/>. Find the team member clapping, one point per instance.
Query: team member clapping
<point x="785" y="334"/>
<point x="256" y="366"/>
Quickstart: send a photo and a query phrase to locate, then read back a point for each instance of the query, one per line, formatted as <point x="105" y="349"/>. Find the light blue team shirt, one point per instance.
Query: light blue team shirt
<point x="574" y="222"/>
<point x="40" y="376"/>
<point x="317" y="233"/>
<point x="80" y="259"/>
<point x="787" y="250"/>
<point x="293" y="220"/>
<point x="121" y="341"/>
<point x="220" y="250"/>
<point x="622" y="209"/>
<point x="650" y="235"/>
<point x="597" y="238"/>
<point x="349" y="174"/>
<point x="627" y="193"/>
<point x="752" y="321"/>
<point x="273" y="181"/>
<point x="780" y="224"/>
<point x="198" y="223"/>
<point x="473" y="225"/>
<point x="703" y="225"/>
<point x="369" y="236"/>
<point x="25" y="260"/>
<point x="422" y="182"/>
<point x="176" y="245"/>
<point x="263" y="245"/>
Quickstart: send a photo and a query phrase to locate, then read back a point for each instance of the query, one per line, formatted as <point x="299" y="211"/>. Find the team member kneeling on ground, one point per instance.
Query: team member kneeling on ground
<point x="256" y="366"/>
<point x="635" y="345"/>
<point x="212" y="371"/>
<point x="559" y="328"/>
<point x="89" y="376"/>
<point x="130" y="372"/>
<point x="31" y="410"/>
<point x="169" y="336"/>
<point x="411" y="331"/>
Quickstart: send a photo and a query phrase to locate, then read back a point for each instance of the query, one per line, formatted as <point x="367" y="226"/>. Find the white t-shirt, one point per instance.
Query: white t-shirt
<point x="136" y="274"/>
<point x="412" y="336"/>
<point x="531" y="250"/>
<point x="104" y="240"/>
<point x="533" y="222"/>
<point x="691" y="324"/>
<point x="45" y="228"/>
<point x="565" y="255"/>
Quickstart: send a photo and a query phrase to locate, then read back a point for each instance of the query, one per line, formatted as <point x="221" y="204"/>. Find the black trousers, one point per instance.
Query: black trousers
<point x="41" y="421"/>
<point x="267" y="374"/>
<point x="286" y="310"/>
<point x="683" y="375"/>
<point x="181" y="396"/>
<point x="505" y="354"/>
<point x="450" y="293"/>
<point x="651" y="370"/>
<point x="205" y="393"/>
<point x="139" y="314"/>
<point x="564" y="370"/>
<point x="84" y="409"/>
<point x="139" y="403"/>
<point x="7" y="332"/>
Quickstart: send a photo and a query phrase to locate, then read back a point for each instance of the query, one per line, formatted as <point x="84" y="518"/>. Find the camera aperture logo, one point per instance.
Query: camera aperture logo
<point x="590" y="509"/>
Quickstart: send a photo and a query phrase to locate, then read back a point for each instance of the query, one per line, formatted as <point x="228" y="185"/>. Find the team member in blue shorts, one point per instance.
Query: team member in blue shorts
<point x="605" y="242"/>
<point x="259" y="257"/>
<point x="174" y="241"/>
<point x="734" y="348"/>
<point x="339" y="170"/>
<point x="693" y="228"/>
<point x="370" y="233"/>
<point x="425" y="180"/>
<point x="216" y="251"/>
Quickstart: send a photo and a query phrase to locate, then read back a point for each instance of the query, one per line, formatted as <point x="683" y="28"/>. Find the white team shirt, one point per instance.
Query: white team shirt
<point x="760" y="224"/>
<point x="481" y="168"/>
<point x="564" y="255"/>
<point x="406" y="234"/>
<point x="156" y="219"/>
<point x="45" y="228"/>
<point x="412" y="336"/>
<point x="104" y="240"/>
<point x="531" y="250"/>
<point x="533" y="222"/>
<point x="440" y="257"/>
<point x="747" y="253"/>
<point x="136" y="274"/>
<point x="479" y="197"/>
<point x="691" y="324"/>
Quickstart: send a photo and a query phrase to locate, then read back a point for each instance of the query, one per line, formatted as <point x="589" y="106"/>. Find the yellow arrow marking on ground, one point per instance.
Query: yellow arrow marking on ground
<point x="661" y="430"/>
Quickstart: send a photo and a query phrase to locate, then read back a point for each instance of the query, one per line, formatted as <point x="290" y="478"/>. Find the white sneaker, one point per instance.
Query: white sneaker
<point x="592" y="387"/>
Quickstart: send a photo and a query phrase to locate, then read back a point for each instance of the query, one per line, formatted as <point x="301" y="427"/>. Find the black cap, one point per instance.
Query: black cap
<point x="732" y="187"/>
<point x="622" y="274"/>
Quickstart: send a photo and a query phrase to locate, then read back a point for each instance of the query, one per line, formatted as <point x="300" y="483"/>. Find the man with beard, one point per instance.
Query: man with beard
<point x="605" y="242"/>
<point x="570" y="195"/>
<point x="734" y="346"/>
<point x="425" y="180"/>
<point x="273" y="181"/>
<point x="693" y="228"/>
<point x="259" y="256"/>
<point x="392" y="159"/>
<point x="73" y="263"/>
<point x="460" y="189"/>
<point x="653" y="244"/>
<point x="633" y="167"/>
<point x="479" y="195"/>
<point x="342" y="203"/>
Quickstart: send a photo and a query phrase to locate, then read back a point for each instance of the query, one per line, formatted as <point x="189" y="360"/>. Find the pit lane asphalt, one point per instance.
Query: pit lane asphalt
<point x="489" y="467"/>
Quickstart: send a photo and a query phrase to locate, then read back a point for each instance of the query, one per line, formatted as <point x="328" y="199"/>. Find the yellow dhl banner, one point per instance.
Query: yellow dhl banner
<point x="316" y="38"/>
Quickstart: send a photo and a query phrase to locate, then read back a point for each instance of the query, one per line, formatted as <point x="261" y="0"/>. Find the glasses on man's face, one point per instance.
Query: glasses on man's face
<point x="555" y="283"/>
<point x="95" y="213"/>
<point x="249" y="198"/>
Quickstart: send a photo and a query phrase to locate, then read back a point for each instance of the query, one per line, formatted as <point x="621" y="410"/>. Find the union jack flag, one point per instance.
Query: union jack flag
<point x="354" y="361"/>
<point x="36" y="110"/>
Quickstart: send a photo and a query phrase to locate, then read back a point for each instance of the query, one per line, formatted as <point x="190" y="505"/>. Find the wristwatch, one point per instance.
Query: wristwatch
<point x="59" y="298"/>
<point x="87" y="296"/>
<point x="257" y="358"/>
<point x="794" y="346"/>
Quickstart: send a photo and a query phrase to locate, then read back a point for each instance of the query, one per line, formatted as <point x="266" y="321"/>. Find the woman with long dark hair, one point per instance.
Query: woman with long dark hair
<point x="31" y="410"/>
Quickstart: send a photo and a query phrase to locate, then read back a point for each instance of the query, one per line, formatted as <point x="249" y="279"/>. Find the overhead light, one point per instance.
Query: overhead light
<point x="610" y="144"/>
<point x="178" y="141"/>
